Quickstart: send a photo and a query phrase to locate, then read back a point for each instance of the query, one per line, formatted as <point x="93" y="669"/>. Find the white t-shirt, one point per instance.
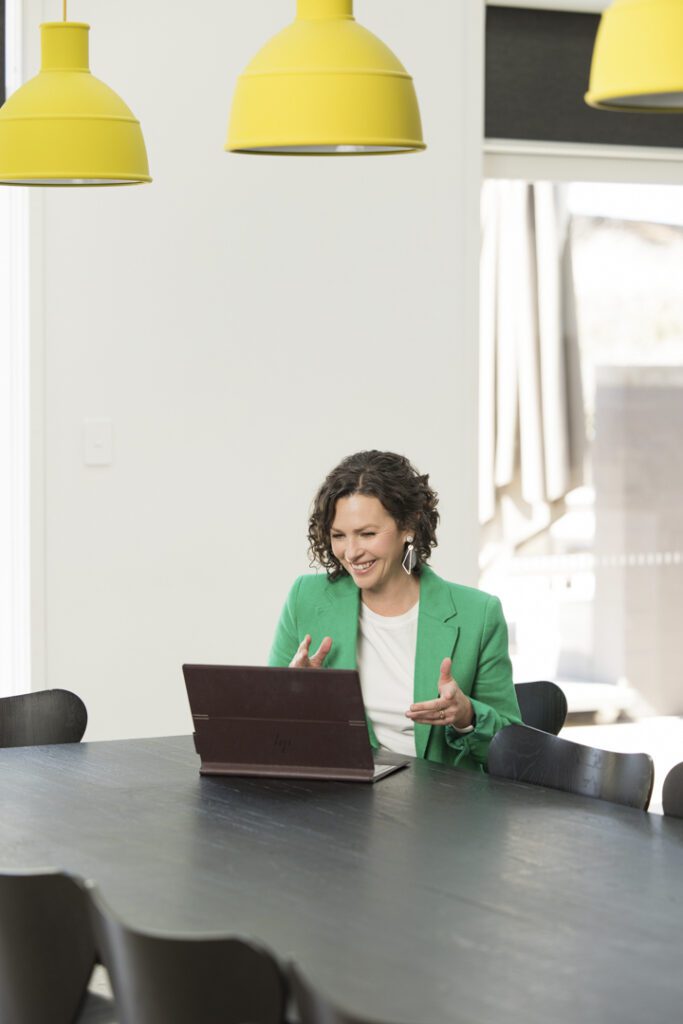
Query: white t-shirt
<point x="386" y="663"/>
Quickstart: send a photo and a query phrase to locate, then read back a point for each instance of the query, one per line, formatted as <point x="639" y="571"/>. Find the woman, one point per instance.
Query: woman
<point x="432" y="656"/>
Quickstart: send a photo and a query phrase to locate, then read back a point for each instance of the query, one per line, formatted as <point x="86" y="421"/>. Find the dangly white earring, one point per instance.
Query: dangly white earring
<point x="410" y="558"/>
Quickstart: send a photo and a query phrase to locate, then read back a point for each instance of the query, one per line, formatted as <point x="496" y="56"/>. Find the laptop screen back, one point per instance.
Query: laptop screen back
<point x="278" y="721"/>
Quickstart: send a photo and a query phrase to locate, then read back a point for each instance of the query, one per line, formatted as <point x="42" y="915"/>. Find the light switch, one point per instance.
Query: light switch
<point x="98" y="445"/>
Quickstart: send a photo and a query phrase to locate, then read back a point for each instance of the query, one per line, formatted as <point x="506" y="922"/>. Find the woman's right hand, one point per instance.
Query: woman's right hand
<point x="302" y="658"/>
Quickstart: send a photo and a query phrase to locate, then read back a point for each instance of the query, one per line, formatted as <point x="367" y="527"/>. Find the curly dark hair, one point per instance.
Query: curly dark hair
<point x="393" y="480"/>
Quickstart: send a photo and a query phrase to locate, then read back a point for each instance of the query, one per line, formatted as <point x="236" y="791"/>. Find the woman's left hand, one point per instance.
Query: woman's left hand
<point x="452" y="706"/>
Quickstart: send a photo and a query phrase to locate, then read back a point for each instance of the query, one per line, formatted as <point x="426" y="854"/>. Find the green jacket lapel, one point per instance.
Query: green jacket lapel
<point x="437" y="636"/>
<point x="337" y="616"/>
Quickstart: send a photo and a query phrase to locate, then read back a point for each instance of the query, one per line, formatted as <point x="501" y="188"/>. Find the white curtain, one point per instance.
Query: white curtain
<point x="531" y="402"/>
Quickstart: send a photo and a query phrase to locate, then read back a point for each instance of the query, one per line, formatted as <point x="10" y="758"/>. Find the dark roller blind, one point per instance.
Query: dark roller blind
<point x="537" y="68"/>
<point x="3" y="86"/>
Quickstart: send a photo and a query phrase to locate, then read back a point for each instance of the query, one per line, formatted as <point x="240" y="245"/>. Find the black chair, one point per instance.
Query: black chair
<point x="312" y="1007"/>
<point x="164" y="979"/>
<point x="672" y="792"/>
<point x="46" y="716"/>
<point x="542" y="704"/>
<point x="524" y="754"/>
<point x="98" y="1009"/>
<point x="47" y="952"/>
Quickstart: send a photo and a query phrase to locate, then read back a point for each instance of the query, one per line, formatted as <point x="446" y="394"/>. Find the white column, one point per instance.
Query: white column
<point x="15" y="632"/>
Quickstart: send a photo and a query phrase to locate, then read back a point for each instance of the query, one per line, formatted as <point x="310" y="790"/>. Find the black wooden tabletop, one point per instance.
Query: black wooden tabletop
<point x="434" y="896"/>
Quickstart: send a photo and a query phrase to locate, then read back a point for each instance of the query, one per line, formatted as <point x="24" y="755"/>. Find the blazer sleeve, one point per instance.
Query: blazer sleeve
<point x="493" y="694"/>
<point x="286" y="640"/>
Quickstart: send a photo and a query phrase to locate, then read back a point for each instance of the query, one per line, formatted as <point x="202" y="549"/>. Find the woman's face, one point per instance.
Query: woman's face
<point x="367" y="541"/>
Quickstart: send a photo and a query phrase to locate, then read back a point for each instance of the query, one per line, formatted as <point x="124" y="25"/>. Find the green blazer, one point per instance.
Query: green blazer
<point x="455" y="622"/>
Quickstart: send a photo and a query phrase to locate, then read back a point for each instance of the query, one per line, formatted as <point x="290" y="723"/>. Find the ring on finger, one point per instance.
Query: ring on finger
<point x="442" y="714"/>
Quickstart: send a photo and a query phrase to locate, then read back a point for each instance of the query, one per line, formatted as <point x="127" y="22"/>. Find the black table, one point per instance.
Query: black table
<point x="436" y="895"/>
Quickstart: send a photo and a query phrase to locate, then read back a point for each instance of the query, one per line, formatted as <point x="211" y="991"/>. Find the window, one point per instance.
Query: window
<point x="593" y="596"/>
<point x="594" y="590"/>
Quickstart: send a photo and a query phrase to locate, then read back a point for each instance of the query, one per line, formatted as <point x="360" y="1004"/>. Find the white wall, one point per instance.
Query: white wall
<point x="15" y="662"/>
<point x="245" y="322"/>
<point x="15" y="596"/>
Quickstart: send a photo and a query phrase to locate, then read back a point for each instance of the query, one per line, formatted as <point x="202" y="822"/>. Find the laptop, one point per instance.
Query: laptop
<point x="283" y="723"/>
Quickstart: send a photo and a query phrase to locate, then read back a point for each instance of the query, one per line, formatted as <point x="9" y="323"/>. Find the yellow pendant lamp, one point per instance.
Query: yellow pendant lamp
<point x="325" y="86"/>
<point x="66" y="127"/>
<point x="637" y="60"/>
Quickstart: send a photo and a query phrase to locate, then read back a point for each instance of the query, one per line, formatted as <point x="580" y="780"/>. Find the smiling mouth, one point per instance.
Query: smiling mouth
<point x="360" y="568"/>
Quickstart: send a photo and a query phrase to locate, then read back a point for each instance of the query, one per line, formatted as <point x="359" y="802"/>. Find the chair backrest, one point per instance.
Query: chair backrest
<point x="46" y="716"/>
<point x="47" y="948"/>
<point x="313" y="1008"/>
<point x="524" y="754"/>
<point x="672" y="792"/>
<point x="164" y="979"/>
<point x="542" y="704"/>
